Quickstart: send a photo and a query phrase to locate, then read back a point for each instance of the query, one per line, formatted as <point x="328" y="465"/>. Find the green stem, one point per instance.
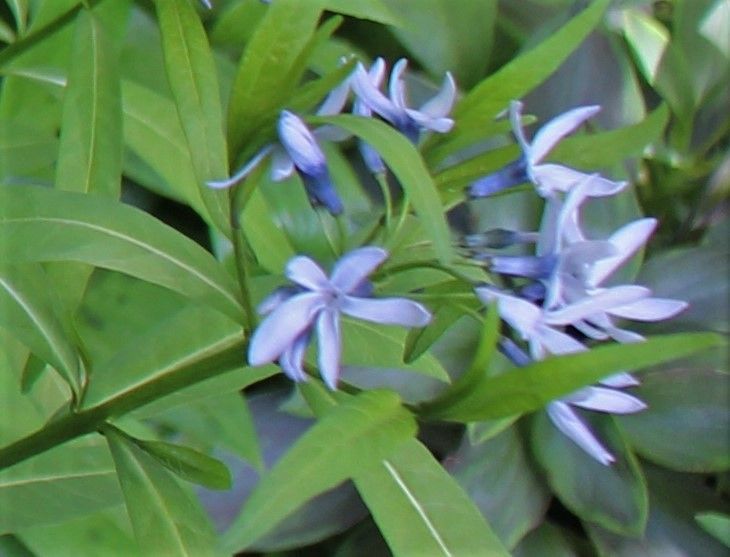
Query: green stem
<point x="382" y="180"/>
<point x="239" y="196"/>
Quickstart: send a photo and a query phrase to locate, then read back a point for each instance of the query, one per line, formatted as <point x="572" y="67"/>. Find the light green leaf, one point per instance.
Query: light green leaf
<point x="717" y="524"/>
<point x="613" y="496"/>
<point x="476" y="111"/>
<point x="687" y="424"/>
<point x="421" y="510"/>
<point x="182" y="339"/>
<point x="27" y="312"/>
<point x="532" y="387"/>
<point x="373" y="10"/>
<point x="648" y="39"/>
<point x="167" y="519"/>
<point x="39" y="224"/>
<point x="270" y="66"/>
<point x="194" y="84"/>
<point x="445" y="39"/>
<point x="363" y="430"/>
<point x="90" y="153"/>
<point x="63" y="483"/>
<point x="267" y="240"/>
<point x="408" y="166"/>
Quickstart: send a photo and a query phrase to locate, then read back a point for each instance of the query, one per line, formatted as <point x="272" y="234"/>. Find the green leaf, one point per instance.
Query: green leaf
<point x="532" y="387"/>
<point x="27" y="312"/>
<point x="445" y="39"/>
<point x="687" y="424"/>
<point x="613" y="496"/>
<point x="717" y="524"/>
<point x="606" y="149"/>
<point x="270" y="66"/>
<point x="476" y="111"/>
<point x="188" y="336"/>
<point x="20" y="13"/>
<point x="63" y="483"/>
<point x="406" y="163"/>
<point x="545" y="541"/>
<point x="359" y="432"/>
<point x="90" y="153"/>
<point x="503" y="484"/>
<point x="373" y="10"/>
<point x="46" y="225"/>
<point x="194" y="85"/>
<point x="421" y="510"/>
<point x="167" y="519"/>
<point x="188" y="464"/>
<point x="648" y="39"/>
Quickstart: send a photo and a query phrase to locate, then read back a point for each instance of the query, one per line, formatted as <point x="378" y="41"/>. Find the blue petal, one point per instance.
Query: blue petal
<point x="300" y="144"/>
<point x="292" y="359"/>
<point x="355" y="266"/>
<point x="529" y="266"/>
<point x="302" y="270"/>
<point x="328" y="342"/>
<point x="511" y="175"/>
<point x="573" y="427"/>
<point x="322" y="192"/>
<point x="388" y="311"/>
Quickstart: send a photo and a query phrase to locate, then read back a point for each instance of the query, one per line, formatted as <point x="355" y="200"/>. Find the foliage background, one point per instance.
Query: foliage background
<point x="660" y="71"/>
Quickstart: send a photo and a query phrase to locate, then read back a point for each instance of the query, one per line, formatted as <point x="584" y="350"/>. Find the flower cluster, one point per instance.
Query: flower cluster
<point x="298" y="148"/>
<point x="562" y="298"/>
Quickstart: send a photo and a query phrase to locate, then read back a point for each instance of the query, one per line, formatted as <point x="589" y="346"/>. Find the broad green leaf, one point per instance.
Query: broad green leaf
<point x="194" y="85"/>
<point x="716" y="524"/>
<point x="182" y="339"/>
<point x="90" y="153"/>
<point x="188" y="464"/>
<point x="46" y="225"/>
<point x="478" y="108"/>
<point x="648" y="39"/>
<point x="361" y="431"/>
<point x="608" y="148"/>
<point x="267" y="240"/>
<point x="63" y="483"/>
<point x="531" y="387"/>
<point x="445" y="39"/>
<point x="24" y="149"/>
<point x="687" y="424"/>
<point x="421" y="510"/>
<point x="11" y="546"/>
<point x="503" y="484"/>
<point x="613" y="496"/>
<point x="545" y="541"/>
<point x="27" y="312"/>
<point x="166" y="518"/>
<point x="408" y="166"/>
<point x="269" y="69"/>
<point x="374" y="10"/>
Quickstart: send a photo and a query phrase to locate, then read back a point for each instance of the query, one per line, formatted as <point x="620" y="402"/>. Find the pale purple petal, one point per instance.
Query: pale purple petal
<point x="328" y="342"/>
<point x="275" y="299"/>
<point x="515" y="116"/>
<point x="573" y="427"/>
<point x="282" y="326"/>
<point x="628" y="239"/>
<point x="397" y="87"/>
<point x="589" y="330"/>
<point x="620" y="380"/>
<point x="371" y="95"/>
<point x="335" y="101"/>
<point x="606" y="400"/>
<point x="282" y="165"/>
<point x="441" y="104"/>
<point x="300" y="144"/>
<point x="245" y="170"/>
<point x="302" y="270"/>
<point x="440" y="125"/>
<point x="522" y="315"/>
<point x="596" y="303"/>
<point x="650" y="309"/>
<point x="355" y="266"/>
<point x="556" y="129"/>
<point x="292" y="359"/>
<point x="555" y="177"/>
<point x="387" y="311"/>
<point x="623" y="336"/>
<point x="557" y="342"/>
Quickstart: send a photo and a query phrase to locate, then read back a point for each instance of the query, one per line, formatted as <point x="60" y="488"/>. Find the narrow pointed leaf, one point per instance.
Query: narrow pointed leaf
<point x="90" y="153"/>
<point x="363" y="430"/>
<point x="27" y="312"/>
<point x="167" y="519"/>
<point x="408" y="166"/>
<point x="421" y="510"/>
<point x="192" y="75"/>
<point x="531" y="387"/>
<point x="40" y="224"/>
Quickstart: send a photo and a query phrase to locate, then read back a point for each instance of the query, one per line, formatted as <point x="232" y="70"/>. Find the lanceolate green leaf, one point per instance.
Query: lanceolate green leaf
<point x="359" y="432"/>
<point x="477" y="110"/>
<point x="530" y="388"/>
<point x="194" y="84"/>
<point x="268" y="66"/>
<point x="39" y="224"/>
<point x="27" y="312"/>
<point x="166" y="518"/>
<point x="90" y="153"/>
<point x="421" y="510"/>
<point x="406" y="163"/>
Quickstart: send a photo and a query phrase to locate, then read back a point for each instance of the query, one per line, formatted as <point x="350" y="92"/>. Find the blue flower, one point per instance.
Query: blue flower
<point x="547" y="178"/>
<point x="297" y="150"/>
<point x="314" y="305"/>
<point x="430" y="116"/>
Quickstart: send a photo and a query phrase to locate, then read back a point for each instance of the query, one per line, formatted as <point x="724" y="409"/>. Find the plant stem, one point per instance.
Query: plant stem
<point x="238" y="196"/>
